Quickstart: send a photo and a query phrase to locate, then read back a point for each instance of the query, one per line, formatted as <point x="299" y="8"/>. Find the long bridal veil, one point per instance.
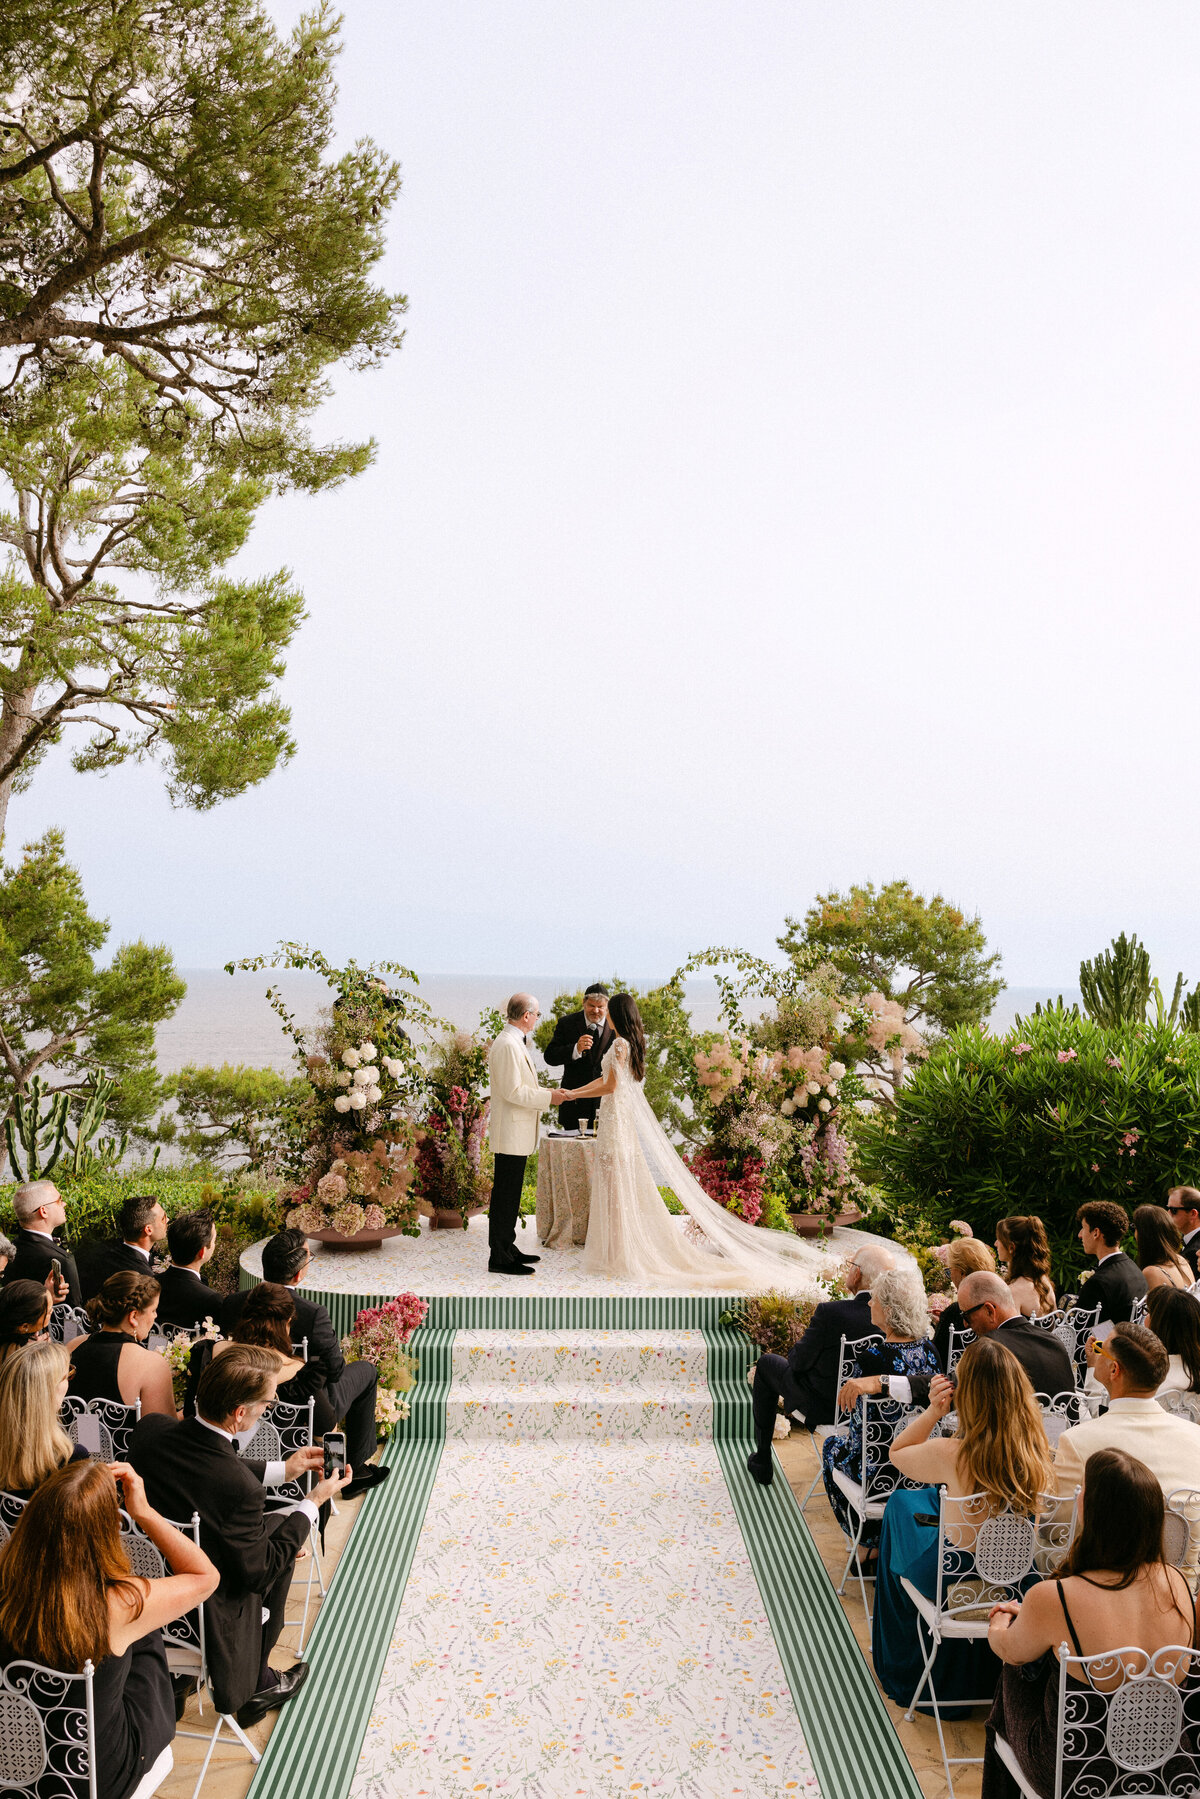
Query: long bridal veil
<point x="768" y="1258"/>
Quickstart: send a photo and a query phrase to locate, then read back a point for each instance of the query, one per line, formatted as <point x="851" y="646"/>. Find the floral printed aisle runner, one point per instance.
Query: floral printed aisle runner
<point x="581" y="1619"/>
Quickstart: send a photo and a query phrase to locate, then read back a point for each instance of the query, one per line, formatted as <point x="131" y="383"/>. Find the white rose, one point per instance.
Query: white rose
<point x="788" y="1107"/>
<point x="837" y="1070"/>
<point x="823" y="1105"/>
<point x="394" y="1068"/>
<point x="371" y="1072"/>
<point x="361" y="1078"/>
<point x="343" y="1078"/>
<point x="374" y="1094"/>
<point x="832" y="1087"/>
<point x="367" y="1051"/>
<point x="350" y="1057"/>
<point x="813" y="1087"/>
<point x="802" y="1096"/>
<point x="357" y="1099"/>
<point x="341" y="1103"/>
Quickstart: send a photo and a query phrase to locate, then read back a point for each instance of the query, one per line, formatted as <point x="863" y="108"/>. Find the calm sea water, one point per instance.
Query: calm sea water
<point x="226" y="1018"/>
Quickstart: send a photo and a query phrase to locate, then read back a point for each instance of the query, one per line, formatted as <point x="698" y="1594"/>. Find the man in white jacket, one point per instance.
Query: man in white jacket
<point x="517" y="1105"/>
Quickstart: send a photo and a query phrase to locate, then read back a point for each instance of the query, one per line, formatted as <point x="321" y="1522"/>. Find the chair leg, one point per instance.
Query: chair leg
<point x="223" y="1718"/>
<point x="854" y="1542"/>
<point x="926" y="1672"/>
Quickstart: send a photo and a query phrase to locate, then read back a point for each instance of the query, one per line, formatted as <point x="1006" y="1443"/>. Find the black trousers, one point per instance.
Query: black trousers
<point x="275" y="1603"/>
<point x="507" y="1180"/>
<point x="572" y="1110"/>
<point x="352" y="1397"/>
<point x="773" y="1380"/>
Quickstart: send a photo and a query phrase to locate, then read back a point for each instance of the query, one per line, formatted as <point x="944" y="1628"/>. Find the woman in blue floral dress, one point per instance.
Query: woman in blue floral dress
<point x="899" y="1310"/>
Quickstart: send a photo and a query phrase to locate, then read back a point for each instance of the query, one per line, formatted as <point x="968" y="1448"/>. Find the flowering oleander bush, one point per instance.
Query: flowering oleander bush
<point x="1057" y="1111"/>
<point x="379" y="1335"/>
<point x="454" y="1160"/>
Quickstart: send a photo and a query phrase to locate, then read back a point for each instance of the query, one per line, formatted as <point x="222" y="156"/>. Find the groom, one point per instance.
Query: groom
<point x="517" y="1105"/>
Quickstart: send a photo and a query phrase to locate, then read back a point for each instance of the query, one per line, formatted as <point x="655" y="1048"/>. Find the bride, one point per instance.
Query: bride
<point x="631" y="1235"/>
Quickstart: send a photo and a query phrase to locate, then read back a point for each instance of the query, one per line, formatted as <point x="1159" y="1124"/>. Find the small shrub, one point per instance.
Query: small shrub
<point x="772" y="1320"/>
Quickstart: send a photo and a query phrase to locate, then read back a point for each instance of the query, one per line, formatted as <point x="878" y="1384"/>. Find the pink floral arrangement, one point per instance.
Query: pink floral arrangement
<point x="738" y="1193"/>
<point x="379" y="1336"/>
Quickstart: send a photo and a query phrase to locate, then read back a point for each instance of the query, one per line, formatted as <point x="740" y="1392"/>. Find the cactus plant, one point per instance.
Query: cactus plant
<point x="1116" y="983"/>
<point x="38" y="1132"/>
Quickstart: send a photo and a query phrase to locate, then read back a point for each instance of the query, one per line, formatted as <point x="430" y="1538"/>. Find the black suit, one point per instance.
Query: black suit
<point x="186" y="1301"/>
<point x="1115" y="1284"/>
<point x="349" y="1386"/>
<point x="806" y="1379"/>
<point x="188" y="1468"/>
<point x="577" y="1071"/>
<point x="99" y="1260"/>
<point x="32" y="1262"/>
<point x="1191" y="1250"/>
<point x="1041" y="1355"/>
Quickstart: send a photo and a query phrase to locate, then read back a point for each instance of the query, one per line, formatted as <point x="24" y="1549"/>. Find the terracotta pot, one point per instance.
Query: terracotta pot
<point x="360" y="1239"/>
<point x="445" y="1218"/>
<point x="812" y="1224"/>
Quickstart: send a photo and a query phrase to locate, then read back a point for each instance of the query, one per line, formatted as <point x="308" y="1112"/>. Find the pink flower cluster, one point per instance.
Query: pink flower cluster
<point x="1022" y="1049"/>
<point x="739" y="1193"/>
<point x="459" y="1098"/>
<point x="889" y="1034"/>
<point x="380" y="1330"/>
<point x="1068" y="1055"/>
<point x="1128" y="1144"/>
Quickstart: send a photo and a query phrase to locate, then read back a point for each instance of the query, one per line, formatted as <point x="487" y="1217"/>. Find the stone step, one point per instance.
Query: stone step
<point x="528" y="1358"/>
<point x="628" y="1411"/>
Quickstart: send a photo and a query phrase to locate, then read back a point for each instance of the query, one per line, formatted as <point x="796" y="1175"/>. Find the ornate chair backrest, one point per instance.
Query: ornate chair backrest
<point x="1060" y="1411"/>
<point x="1128" y="1722"/>
<point x="47" y="1732"/>
<point x="883" y="1419"/>
<point x="990" y="1556"/>
<point x="1184" y="1405"/>
<point x="293" y="1427"/>
<point x="116" y="1423"/>
<point x="1181" y="1526"/>
<point x="10" y="1512"/>
<point x="66" y="1319"/>
<point x="1137" y="1311"/>
<point x="847" y="1360"/>
<point x="960" y="1337"/>
<point x="1072" y="1328"/>
<point x="187" y="1633"/>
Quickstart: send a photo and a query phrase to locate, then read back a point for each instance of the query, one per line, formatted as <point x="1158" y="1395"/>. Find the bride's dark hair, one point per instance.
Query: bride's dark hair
<point x="626" y="1021"/>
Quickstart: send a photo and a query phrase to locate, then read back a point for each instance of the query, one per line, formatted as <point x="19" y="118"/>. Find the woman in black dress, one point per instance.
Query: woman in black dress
<point x="1115" y="1591"/>
<point x="68" y="1596"/>
<point x="112" y="1363"/>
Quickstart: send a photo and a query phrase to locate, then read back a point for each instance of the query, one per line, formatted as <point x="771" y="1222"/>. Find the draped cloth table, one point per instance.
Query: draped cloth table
<point x="564" y="1190"/>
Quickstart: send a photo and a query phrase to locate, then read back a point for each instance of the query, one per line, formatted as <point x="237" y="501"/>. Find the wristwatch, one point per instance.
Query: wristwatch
<point x="885" y="1386"/>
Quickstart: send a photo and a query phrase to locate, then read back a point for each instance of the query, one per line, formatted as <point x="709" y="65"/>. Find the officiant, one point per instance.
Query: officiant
<point x="577" y="1047"/>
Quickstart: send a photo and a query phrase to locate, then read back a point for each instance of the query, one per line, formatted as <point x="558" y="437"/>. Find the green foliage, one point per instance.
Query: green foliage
<point x="181" y="264"/>
<point x="771" y="1320"/>
<point x="60" y="1013"/>
<point x="670" y="1081"/>
<point x="924" y="953"/>
<point x="229" y="1114"/>
<point x="94" y="1199"/>
<point x="1058" y="1111"/>
<point x="1117" y="988"/>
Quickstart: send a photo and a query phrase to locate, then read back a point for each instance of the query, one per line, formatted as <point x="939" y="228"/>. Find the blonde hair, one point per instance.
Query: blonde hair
<point x="967" y="1255"/>
<point x="32" y="1441"/>
<point x="1004" y="1452"/>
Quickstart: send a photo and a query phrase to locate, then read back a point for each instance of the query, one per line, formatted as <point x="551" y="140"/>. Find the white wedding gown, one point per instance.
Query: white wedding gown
<point x="631" y="1235"/>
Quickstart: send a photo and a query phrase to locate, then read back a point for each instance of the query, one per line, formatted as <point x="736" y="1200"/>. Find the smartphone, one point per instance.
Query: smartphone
<point x="952" y="1377"/>
<point x="334" y="1442"/>
<point x="159" y="1342"/>
<point x="87" y="1433"/>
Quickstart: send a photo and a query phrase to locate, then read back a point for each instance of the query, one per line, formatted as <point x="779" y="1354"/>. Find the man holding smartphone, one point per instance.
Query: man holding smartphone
<point x="40" y="1256"/>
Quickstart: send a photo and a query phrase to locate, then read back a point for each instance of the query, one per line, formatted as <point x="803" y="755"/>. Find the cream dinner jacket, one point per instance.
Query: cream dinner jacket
<point x="1169" y="1446"/>
<point x="517" y="1100"/>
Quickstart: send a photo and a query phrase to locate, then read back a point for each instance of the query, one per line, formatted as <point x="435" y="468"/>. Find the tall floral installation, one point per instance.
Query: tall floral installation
<point x="453" y="1159"/>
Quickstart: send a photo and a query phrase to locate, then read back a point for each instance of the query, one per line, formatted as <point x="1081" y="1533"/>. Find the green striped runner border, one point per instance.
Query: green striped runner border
<point x="314" y="1747"/>
<point x="851" y="1738"/>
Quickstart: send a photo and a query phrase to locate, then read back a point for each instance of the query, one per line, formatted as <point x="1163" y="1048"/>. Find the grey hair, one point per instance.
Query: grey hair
<point x="32" y="1197"/>
<point x="872" y="1260"/>
<point x="7" y="1248"/>
<point x="518" y="1005"/>
<point x="981" y="1288"/>
<point x="901" y="1297"/>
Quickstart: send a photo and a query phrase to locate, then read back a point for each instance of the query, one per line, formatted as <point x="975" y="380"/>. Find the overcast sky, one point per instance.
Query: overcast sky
<point x="789" y="478"/>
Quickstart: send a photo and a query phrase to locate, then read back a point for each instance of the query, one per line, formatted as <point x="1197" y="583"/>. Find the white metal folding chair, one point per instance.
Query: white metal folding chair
<point x="1184" y="1405"/>
<point x="960" y="1337"/>
<point x="877" y="1479"/>
<point x="47" y="1732"/>
<point x="116" y="1423"/>
<point x="987" y="1557"/>
<point x="68" y="1322"/>
<point x="822" y="1432"/>
<point x="1181" y="1529"/>
<point x="281" y="1429"/>
<point x="1059" y="1412"/>
<point x="1137" y="1311"/>
<point x="1128" y="1723"/>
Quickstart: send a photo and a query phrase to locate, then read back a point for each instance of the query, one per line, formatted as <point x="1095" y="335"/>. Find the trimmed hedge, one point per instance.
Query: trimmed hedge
<point x="1056" y="1112"/>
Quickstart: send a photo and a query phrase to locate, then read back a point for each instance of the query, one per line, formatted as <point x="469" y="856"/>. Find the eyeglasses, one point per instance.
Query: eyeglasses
<point x="977" y="1307"/>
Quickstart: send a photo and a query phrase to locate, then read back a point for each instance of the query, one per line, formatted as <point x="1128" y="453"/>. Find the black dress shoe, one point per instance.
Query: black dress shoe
<point x="513" y="1267"/>
<point x="371" y="1476"/>
<point x="763" y="1475"/>
<point x="285" y="1688"/>
<point x="522" y="1257"/>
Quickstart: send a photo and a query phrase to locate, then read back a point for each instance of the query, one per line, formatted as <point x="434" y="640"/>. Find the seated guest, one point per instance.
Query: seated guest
<point x="142" y="1223"/>
<point x="1024" y="1249"/>
<point x="68" y="1596"/>
<point x="1132" y="1365"/>
<point x="194" y="1465"/>
<point x="806" y="1378"/>
<point x="1116" y="1280"/>
<point x="1183" y="1204"/>
<point x="1114" y="1592"/>
<point x="899" y="1310"/>
<point x="964" y="1255"/>
<point x="266" y="1319"/>
<point x="349" y="1386"/>
<point x="1160" y="1249"/>
<point x="185" y="1300"/>
<point x="40" y="1211"/>
<point x="7" y="1251"/>
<point x="988" y="1306"/>
<point x="33" y="1443"/>
<point x="1174" y="1318"/>
<point x="111" y="1363"/>
<point x="25" y="1308"/>
<point x="1000" y="1451"/>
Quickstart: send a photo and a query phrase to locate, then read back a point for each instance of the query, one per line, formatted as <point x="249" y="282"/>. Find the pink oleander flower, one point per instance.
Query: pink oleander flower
<point x="1067" y="1055"/>
<point x="1095" y="1167"/>
<point x="1131" y="1137"/>
<point x="1112" y="1061"/>
<point x="1024" y="1049"/>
